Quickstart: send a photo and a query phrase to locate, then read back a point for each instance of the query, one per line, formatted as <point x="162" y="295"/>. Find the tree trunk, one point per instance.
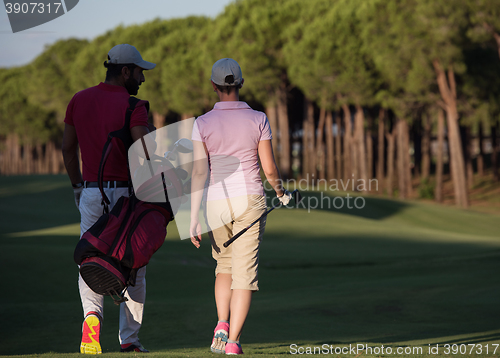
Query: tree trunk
<point x="338" y="146"/>
<point x="416" y="138"/>
<point x="438" y="191"/>
<point x="38" y="159"/>
<point x="494" y="153"/>
<point x="7" y="155"/>
<point x="51" y="155"/>
<point x="3" y="156"/>
<point x="309" y="163"/>
<point x="391" y="141"/>
<point x="369" y="149"/>
<point x="426" y="146"/>
<point x="330" y="165"/>
<point x="457" y="159"/>
<point x="56" y="160"/>
<point x="284" y="140"/>
<point x="495" y="34"/>
<point x="158" y="120"/>
<point x="361" y="146"/>
<point x="273" y="122"/>
<point x="380" y="149"/>
<point x="28" y="157"/>
<point x="313" y="160"/>
<point x="305" y="145"/>
<point x="497" y="39"/>
<point x="480" y="156"/>
<point x="320" y="151"/>
<point x="401" y="159"/>
<point x="407" y="161"/>
<point x="46" y="158"/>
<point x="447" y="89"/>
<point x="348" y="167"/>
<point x="468" y="157"/>
<point x="354" y="151"/>
<point x="16" y="155"/>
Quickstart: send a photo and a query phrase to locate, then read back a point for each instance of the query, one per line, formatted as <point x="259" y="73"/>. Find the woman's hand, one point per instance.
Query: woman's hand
<point x="195" y="232"/>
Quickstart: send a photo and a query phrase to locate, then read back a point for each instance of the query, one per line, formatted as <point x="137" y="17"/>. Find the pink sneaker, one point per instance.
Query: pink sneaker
<point x="219" y="341"/>
<point x="233" y="348"/>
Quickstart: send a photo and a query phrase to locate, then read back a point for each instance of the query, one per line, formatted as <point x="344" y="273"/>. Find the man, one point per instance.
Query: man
<point x="90" y="116"/>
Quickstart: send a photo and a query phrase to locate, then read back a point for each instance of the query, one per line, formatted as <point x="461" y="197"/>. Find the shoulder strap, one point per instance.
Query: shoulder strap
<point x="125" y="136"/>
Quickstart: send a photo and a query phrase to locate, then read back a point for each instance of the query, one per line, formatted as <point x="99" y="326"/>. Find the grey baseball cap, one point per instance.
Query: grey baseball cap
<point x="125" y="53"/>
<point x="222" y="71"/>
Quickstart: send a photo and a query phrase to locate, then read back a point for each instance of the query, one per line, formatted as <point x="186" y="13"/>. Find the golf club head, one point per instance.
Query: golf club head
<point x="184" y="145"/>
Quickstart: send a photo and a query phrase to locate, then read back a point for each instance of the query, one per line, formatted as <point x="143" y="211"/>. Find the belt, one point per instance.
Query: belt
<point x="106" y="184"/>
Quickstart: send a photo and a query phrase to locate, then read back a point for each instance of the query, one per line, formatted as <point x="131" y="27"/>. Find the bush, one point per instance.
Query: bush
<point x="426" y="189"/>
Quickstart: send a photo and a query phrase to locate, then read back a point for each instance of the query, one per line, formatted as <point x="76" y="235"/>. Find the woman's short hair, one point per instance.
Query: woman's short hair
<point x="227" y="89"/>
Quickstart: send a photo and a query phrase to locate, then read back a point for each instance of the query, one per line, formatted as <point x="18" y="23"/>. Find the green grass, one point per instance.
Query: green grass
<point x="393" y="273"/>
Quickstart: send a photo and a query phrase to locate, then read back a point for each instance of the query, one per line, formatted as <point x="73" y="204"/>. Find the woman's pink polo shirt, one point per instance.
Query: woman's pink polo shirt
<point x="231" y="132"/>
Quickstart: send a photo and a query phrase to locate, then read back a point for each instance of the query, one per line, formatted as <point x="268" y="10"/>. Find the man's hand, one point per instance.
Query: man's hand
<point x="285" y="198"/>
<point x="78" y="194"/>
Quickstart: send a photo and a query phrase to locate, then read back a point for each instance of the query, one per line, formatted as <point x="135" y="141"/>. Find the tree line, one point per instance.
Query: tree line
<point x="353" y="89"/>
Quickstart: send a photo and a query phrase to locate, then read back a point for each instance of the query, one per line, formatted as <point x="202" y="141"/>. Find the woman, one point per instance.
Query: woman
<point x="233" y="137"/>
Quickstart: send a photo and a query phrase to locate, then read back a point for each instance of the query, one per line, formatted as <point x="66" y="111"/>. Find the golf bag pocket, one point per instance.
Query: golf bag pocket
<point x="105" y="276"/>
<point x="121" y="242"/>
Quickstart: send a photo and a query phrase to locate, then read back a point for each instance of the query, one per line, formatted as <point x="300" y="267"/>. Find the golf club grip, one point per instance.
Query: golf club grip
<point x="230" y="241"/>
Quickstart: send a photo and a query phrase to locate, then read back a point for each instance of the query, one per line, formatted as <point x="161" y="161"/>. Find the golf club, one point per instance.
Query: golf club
<point x="183" y="145"/>
<point x="295" y="195"/>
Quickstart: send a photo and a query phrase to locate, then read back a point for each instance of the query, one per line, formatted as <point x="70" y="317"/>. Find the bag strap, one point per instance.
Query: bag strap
<point x="125" y="136"/>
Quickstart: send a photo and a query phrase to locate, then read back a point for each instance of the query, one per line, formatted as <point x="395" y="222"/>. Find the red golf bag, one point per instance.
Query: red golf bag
<point x="119" y="243"/>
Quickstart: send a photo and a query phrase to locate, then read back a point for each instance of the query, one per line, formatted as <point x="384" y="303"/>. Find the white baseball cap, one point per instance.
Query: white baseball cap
<point x="125" y="53"/>
<point x="226" y="67"/>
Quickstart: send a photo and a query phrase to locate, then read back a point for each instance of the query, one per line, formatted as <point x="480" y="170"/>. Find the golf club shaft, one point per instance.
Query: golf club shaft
<point x="229" y="242"/>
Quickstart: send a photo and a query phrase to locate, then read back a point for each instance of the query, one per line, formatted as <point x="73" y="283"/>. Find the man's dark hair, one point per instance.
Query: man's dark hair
<point x="114" y="70"/>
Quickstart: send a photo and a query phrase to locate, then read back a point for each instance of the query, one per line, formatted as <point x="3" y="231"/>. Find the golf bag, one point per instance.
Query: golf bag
<point x="123" y="240"/>
<point x="119" y="243"/>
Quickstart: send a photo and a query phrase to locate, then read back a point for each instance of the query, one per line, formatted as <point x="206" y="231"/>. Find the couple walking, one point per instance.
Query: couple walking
<point x="230" y="129"/>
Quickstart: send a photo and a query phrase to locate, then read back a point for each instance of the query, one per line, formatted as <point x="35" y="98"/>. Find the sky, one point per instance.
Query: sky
<point x="91" y="18"/>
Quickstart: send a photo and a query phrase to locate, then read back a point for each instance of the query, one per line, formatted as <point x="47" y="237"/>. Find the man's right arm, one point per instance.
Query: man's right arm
<point x="70" y="154"/>
<point x="138" y="132"/>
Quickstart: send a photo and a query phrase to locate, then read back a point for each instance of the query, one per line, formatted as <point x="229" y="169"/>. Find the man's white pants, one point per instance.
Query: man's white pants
<point x="131" y="311"/>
